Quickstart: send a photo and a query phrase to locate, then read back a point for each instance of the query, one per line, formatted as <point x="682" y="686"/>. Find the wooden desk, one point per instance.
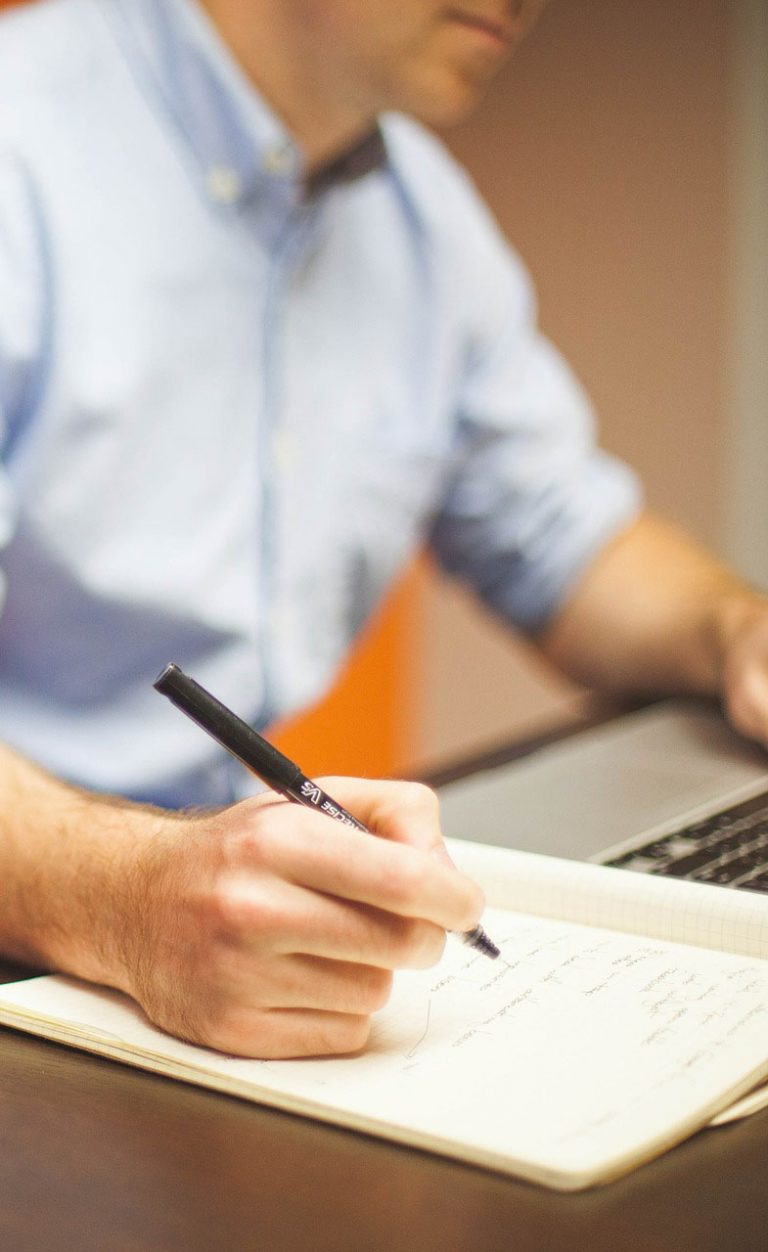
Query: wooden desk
<point x="97" y="1157"/>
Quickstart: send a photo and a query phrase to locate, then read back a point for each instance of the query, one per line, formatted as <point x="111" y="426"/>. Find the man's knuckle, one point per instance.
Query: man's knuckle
<point x="418" y="945"/>
<point x="376" y="987"/>
<point x="255" y="839"/>
<point x="420" y="797"/>
<point x="433" y="944"/>
<point x="220" y="913"/>
<point x="352" y="1035"/>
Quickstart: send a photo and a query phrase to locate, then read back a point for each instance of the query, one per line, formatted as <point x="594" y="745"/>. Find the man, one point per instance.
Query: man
<point x="258" y="340"/>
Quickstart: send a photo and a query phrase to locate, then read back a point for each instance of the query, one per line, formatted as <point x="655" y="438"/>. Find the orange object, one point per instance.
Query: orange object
<point x="363" y="727"/>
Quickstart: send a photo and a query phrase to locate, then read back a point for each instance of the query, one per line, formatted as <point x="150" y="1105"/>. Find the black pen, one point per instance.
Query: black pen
<point x="267" y="763"/>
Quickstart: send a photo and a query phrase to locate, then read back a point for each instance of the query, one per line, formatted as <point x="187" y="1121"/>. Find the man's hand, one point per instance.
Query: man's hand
<point x="657" y="614"/>
<point x="263" y="930"/>
<point x="271" y="930"/>
<point x="744" y="635"/>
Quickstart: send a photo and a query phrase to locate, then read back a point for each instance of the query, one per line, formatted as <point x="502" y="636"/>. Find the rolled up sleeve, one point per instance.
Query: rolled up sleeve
<point x="534" y="498"/>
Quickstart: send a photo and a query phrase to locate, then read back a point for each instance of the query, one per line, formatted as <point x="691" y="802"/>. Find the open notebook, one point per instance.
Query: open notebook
<point x="584" y="1051"/>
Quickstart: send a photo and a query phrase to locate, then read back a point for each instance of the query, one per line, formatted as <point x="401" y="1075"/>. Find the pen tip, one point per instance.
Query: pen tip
<point x="477" y="938"/>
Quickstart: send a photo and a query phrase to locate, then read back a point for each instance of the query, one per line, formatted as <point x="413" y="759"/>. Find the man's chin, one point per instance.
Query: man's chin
<point x="448" y="99"/>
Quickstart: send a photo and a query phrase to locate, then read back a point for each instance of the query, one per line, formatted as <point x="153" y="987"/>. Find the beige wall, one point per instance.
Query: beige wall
<point x="747" y="463"/>
<point x="604" y="151"/>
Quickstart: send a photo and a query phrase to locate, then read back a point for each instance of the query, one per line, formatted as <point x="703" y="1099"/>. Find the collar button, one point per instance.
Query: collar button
<point x="224" y="184"/>
<point x="278" y="159"/>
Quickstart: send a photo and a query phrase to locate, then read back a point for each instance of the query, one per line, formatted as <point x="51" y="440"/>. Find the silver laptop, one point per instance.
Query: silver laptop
<point x="670" y="789"/>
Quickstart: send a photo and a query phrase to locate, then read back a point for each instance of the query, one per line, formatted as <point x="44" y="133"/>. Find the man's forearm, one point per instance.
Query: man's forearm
<point x="654" y="613"/>
<point x="67" y="860"/>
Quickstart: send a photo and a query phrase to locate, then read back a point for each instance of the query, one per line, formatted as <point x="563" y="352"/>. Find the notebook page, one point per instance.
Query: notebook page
<point x="615" y="899"/>
<point x="566" y="1062"/>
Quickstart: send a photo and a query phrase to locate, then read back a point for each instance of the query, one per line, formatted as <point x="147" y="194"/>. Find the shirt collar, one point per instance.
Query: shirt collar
<point x="368" y="154"/>
<point x="232" y="135"/>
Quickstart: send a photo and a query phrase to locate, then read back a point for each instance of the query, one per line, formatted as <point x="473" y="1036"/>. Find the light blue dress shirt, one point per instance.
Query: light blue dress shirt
<point x="230" y="412"/>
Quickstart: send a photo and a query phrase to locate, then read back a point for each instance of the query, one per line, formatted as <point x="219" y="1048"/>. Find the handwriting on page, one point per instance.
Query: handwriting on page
<point x="579" y="1025"/>
<point x="543" y="977"/>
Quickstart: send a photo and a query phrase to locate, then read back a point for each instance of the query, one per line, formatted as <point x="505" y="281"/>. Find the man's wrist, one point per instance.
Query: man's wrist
<point x="71" y="877"/>
<point x="735" y="612"/>
<point x="113" y="897"/>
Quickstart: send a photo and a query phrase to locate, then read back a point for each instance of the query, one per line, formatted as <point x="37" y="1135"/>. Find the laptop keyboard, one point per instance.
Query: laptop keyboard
<point x="729" y="848"/>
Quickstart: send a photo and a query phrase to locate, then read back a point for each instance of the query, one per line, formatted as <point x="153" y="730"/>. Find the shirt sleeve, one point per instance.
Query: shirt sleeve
<point x="533" y="498"/>
<point x="21" y="324"/>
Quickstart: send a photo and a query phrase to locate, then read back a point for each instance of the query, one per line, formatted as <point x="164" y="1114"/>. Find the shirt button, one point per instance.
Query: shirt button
<point x="224" y="184"/>
<point x="278" y="159"/>
<point x="283" y="450"/>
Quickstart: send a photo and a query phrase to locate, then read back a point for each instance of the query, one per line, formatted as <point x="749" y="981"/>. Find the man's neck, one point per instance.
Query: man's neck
<point x="264" y="40"/>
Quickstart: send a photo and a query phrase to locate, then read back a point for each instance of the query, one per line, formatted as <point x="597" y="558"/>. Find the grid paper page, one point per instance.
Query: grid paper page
<point x="615" y="899"/>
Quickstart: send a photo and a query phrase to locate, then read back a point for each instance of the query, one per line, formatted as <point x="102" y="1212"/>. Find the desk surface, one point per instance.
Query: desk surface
<point x="97" y="1157"/>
